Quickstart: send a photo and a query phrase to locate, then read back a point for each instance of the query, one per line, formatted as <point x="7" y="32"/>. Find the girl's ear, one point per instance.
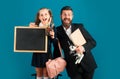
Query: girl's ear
<point x="50" y="19"/>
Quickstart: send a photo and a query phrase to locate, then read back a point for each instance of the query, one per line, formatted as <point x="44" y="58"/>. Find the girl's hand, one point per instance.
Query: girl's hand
<point x="52" y="34"/>
<point x="32" y="24"/>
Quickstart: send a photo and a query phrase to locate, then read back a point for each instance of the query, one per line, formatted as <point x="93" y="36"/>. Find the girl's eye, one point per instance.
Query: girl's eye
<point x="41" y="15"/>
<point x="46" y="14"/>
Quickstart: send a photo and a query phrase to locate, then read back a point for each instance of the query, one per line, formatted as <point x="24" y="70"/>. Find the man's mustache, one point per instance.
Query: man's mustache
<point x="67" y="19"/>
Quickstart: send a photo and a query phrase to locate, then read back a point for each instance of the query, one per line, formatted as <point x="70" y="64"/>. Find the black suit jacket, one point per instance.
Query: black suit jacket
<point x="88" y="63"/>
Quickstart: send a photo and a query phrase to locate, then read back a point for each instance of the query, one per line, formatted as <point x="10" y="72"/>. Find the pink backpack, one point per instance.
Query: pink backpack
<point x="55" y="66"/>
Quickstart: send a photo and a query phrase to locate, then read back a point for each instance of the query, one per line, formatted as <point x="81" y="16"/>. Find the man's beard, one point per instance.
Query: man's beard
<point x="66" y="24"/>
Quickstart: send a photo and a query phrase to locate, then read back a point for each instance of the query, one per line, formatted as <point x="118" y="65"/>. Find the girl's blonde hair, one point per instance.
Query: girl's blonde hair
<point x="37" y="21"/>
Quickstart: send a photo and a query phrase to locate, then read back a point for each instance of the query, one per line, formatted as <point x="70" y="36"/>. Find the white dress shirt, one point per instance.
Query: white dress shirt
<point x="68" y="31"/>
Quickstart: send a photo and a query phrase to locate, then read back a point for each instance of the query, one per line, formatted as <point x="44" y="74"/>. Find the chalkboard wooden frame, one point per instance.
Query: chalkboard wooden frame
<point x="30" y="39"/>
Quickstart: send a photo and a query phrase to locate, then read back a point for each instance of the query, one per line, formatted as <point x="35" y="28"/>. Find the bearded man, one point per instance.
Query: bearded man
<point x="85" y="69"/>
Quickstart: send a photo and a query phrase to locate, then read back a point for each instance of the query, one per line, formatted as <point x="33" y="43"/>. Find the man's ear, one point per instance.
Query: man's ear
<point x="72" y="16"/>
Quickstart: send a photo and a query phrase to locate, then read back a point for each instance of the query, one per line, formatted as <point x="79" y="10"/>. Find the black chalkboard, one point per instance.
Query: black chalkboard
<point x="27" y="39"/>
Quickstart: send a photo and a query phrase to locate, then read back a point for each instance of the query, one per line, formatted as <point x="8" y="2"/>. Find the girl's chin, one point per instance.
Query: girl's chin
<point x="45" y="22"/>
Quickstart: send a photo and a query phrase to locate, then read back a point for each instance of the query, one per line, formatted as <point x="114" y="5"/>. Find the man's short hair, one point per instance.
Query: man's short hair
<point x="66" y="8"/>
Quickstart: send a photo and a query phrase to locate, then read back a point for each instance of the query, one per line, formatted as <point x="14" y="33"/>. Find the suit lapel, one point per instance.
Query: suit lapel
<point x="65" y="35"/>
<point x="73" y="28"/>
<point x="63" y="32"/>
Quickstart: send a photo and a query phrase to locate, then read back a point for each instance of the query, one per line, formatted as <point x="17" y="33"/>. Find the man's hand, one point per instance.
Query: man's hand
<point x="80" y="49"/>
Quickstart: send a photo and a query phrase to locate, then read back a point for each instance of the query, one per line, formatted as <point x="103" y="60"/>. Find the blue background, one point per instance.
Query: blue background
<point x="100" y="17"/>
